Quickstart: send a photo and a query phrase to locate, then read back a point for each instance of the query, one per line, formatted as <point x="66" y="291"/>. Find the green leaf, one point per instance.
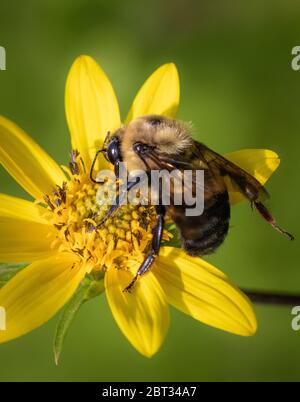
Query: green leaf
<point x="8" y="271"/>
<point x="88" y="289"/>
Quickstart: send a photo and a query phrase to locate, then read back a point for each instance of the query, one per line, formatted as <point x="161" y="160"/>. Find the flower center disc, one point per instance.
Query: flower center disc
<point x="123" y="239"/>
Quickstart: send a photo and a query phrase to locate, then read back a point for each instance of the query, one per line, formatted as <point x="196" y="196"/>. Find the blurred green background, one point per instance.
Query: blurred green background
<point x="239" y="90"/>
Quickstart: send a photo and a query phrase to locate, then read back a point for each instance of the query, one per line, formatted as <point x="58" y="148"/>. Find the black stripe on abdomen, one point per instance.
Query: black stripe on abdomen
<point x="202" y="235"/>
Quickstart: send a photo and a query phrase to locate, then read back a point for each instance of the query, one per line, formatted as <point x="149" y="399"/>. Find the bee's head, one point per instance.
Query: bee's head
<point x="153" y="134"/>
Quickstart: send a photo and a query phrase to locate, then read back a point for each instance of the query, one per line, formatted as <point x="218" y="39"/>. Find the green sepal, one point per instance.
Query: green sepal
<point x="87" y="290"/>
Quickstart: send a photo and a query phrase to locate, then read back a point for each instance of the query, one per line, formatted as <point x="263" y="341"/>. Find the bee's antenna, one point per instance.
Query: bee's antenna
<point x="93" y="165"/>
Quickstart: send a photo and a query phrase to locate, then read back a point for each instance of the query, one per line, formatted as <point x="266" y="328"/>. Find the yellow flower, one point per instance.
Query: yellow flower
<point x="52" y="232"/>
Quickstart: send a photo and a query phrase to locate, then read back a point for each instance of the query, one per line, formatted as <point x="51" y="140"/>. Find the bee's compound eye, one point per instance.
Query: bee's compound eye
<point x="140" y="148"/>
<point x="113" y="151"/>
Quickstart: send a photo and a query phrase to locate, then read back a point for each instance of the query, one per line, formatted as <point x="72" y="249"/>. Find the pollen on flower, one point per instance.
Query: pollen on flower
<point x="121" y="242"/>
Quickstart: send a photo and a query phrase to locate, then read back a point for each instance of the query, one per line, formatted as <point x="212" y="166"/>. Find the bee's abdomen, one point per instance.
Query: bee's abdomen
<point x="203" y="234"/>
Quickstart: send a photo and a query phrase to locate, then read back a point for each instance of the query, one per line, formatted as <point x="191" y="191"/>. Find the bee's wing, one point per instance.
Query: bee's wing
<point x="218" y="170"/>
<point x="240" y="179"/>
<point x="251" y="188"/>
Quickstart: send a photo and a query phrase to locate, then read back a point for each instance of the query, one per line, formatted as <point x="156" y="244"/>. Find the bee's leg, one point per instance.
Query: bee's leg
<point x="155" y="246"/>
<point x="120" y="198"/>
<point x="253" y="194"/>
<point x="269" y="218"/>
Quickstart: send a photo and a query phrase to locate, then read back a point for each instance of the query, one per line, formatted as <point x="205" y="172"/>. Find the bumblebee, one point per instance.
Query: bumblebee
<point x="159" y="143"/>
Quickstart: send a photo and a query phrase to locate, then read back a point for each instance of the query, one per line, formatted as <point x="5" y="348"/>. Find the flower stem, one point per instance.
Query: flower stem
<point x="273" y="298"/>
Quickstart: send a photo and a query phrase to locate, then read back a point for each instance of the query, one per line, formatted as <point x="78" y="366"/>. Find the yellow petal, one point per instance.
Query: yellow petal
<point x="143" y="314"/>
<point x="91" y="107"/>
<point x="160" y="94"/>
<point x="26" y="161"/>
<point x="197" y="288"/>
<point x="260" y="163"/>
<point x="36" y="293"/>
<point x="23" y="230"/>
